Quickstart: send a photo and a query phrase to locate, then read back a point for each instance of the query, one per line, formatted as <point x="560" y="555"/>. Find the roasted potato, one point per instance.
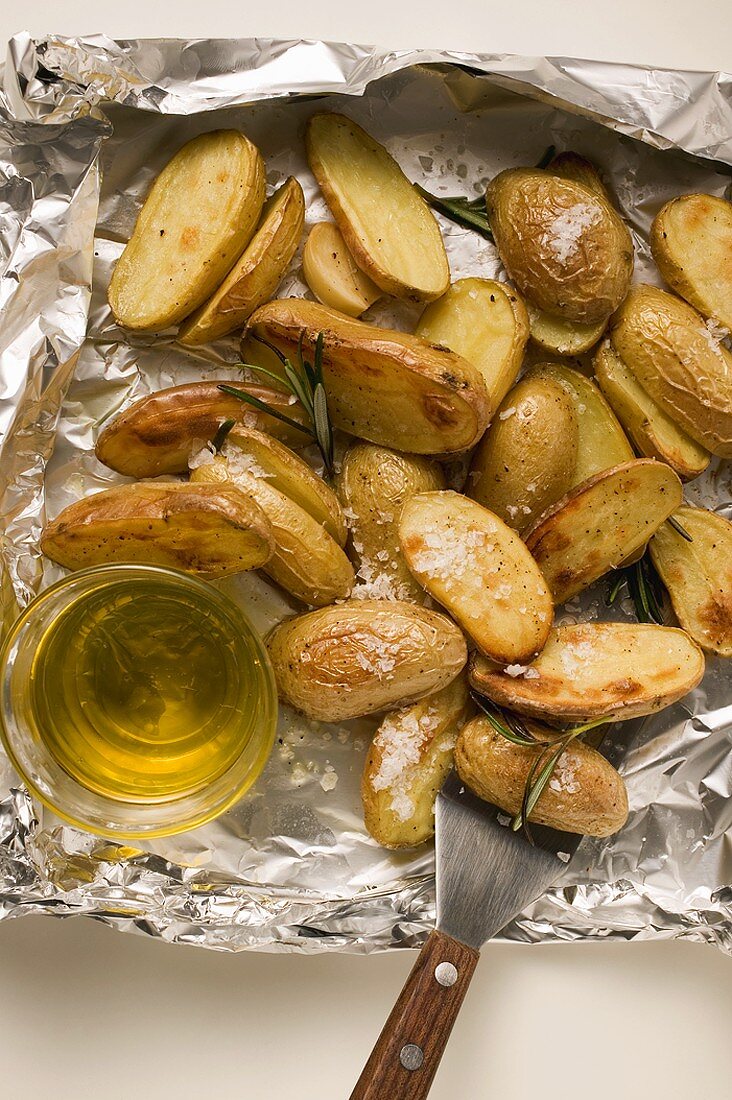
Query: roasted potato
<point x="154" y="435"/>
<point x="585" y="794"/>
<point x="563" y="245"/>
<point x="198" y="217"/>
<point x="208" y="530"/>
<point x="409" y="758"/>
<point x="331" y="272"/>
<point x="572" y="166"/>
<point x="678" y="361"/>
<point x="257" y="273"/>
<point x="559" y="337"/>
<point x="480" y="571"/>
<point x="526" y="460"/>
<point x="602" y="523"/>
<point x="363" y="656"/>
<point x="372" y="486"/>
<point x="654" y="434"/>
<point x="486" y="323"/>
<point x="305" y="560"/>
<point x="691" y="241"/>
<point x="388" y="227"/>
<point x="388" y="387"/>
<point x="597" y="670"/>
<point x="698" y="576"/>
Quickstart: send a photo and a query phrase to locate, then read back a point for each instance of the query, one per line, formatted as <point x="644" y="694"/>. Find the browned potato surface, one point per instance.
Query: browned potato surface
<point x="332" y="274"/>
<point x="691" y="241"/>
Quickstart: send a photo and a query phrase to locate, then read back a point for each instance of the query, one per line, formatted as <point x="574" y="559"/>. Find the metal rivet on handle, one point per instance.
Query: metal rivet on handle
<point x="446" y="974"/>
<point x="411" y="1056"/>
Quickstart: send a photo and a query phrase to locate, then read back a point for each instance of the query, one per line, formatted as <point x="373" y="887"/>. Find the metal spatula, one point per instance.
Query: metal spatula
<point x="486" y="875"/>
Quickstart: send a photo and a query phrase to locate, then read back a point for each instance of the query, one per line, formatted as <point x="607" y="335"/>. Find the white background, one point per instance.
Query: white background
<point x="86" y="1012"/>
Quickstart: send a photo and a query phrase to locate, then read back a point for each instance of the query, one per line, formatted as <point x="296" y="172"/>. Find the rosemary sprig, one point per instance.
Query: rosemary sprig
<point x="679" y="529"/>
<point x="470" y="213"/>
<point x="644" y="588"/>
<point x="547" y="157"/>
<point x="221" y="433"/>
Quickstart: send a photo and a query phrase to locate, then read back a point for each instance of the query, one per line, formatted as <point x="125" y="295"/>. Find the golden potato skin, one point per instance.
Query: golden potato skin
<point x="363" y="656"/>
<point x="372" y="485"/>
<point x="210" y="531"/>
<point x="677" y="361"/>
<point x="331" y="272"/>
<point x="526" y="460"/>
<point x="257" y="273"/>
<point x="602" y="523"/>
<point x="654" y="434"/>
<point x="572" y="166"/>
<point x="198" y="217"/>
<point x="597" y="670"/>
<point x="384" y="386"/>
<point x="563" y="245"/>
<point x="698" y="576"/>
<point x="409" y="759"/>
<point x="586" y="794"/>
<point x="388" y="227"/>
<point x="691" y="241"/>
<point x="480" y="571"/>
<point x="155" y="434"/>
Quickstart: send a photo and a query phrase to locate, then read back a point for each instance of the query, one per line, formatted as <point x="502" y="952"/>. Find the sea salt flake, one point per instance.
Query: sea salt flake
<point x="565" y="233"/>
<point x="507" y="413"/>
<point x="201" y="453"/>
<point x="329" y="778"/>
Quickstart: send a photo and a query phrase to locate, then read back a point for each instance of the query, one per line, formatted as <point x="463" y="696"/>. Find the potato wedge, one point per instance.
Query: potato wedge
<point x="154" y="435"/>
<point x="585" y="794"/>
<point x="372" y="486"/>
<point x="601" y="442"/>
<point x="526" y="460"/>
<point x="256" y="274"/>
<point x="480" y="571"/>
<point x="597" y="670"/>
<point x="305" y="560"/>
<point x="486" y="323"/>
<point x="331" y="272"/>
<point x="654" y="434"/>
<point x="559" y="337"/>
<point x="698" y="576"/>
<point x="563" y="245"/>
<point x="388" y="227"/>
<point x="363" y="656"/>
<point x="602" y="523"/>
<point x="198" y="217"/>
<point x="572" y="166"/>
<point x="211" y="531"/>
<point x="678" y="361"/>
<point x="388" y="387"/>
<point x="691" y="241"/>
<point x="409" y="759"/>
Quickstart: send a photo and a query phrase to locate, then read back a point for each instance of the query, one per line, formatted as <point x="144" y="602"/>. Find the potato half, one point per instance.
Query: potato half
<point x="585" y="794"/>
<point x="154" y="435"/>
<point x="678" y="361"/>
<point x="698" y="576"/>
<point x="388" y="387"/>
<point x="480" y="571"/>
<point x="211" y="531"/>
<point x="331" y="272"/>
<point x="564" y="338"/>
<point x="654" y="434"/>
<point x="526" y="460"/>
<point x="602" y="523"/>
<point x="409" y="759"/>
<point x="257" y="273"/>
<point x="597" y="670"/>
<point x="562" y="244"/>
<point x="198" y="217"/>
<point x="486" y="323"/>
<point x="363" y="656"/>
<point x="572" y="166"/>
<point x="372" y="486"/>
<point x="691" y="241"/>
<point x="388" y="227"/>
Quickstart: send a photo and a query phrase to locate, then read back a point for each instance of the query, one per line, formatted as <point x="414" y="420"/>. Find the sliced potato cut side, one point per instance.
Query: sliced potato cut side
<point x="698" y="576"/>
<point x="486" y="323"/>
<point x="198" y="217"/>
<point x="602" y="523"/>
<point x="564" y="338"/>
<point x="597" y="670"/>
<point x="388" y="227"/>
<point x="257" y="273"/>
<point x="332" y="274"/>
<point x="691" y="241"/>
<point x="480" y="571"/>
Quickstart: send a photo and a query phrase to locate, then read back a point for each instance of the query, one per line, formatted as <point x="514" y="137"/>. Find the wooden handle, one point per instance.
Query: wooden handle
<point x="407" y="1053"/>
